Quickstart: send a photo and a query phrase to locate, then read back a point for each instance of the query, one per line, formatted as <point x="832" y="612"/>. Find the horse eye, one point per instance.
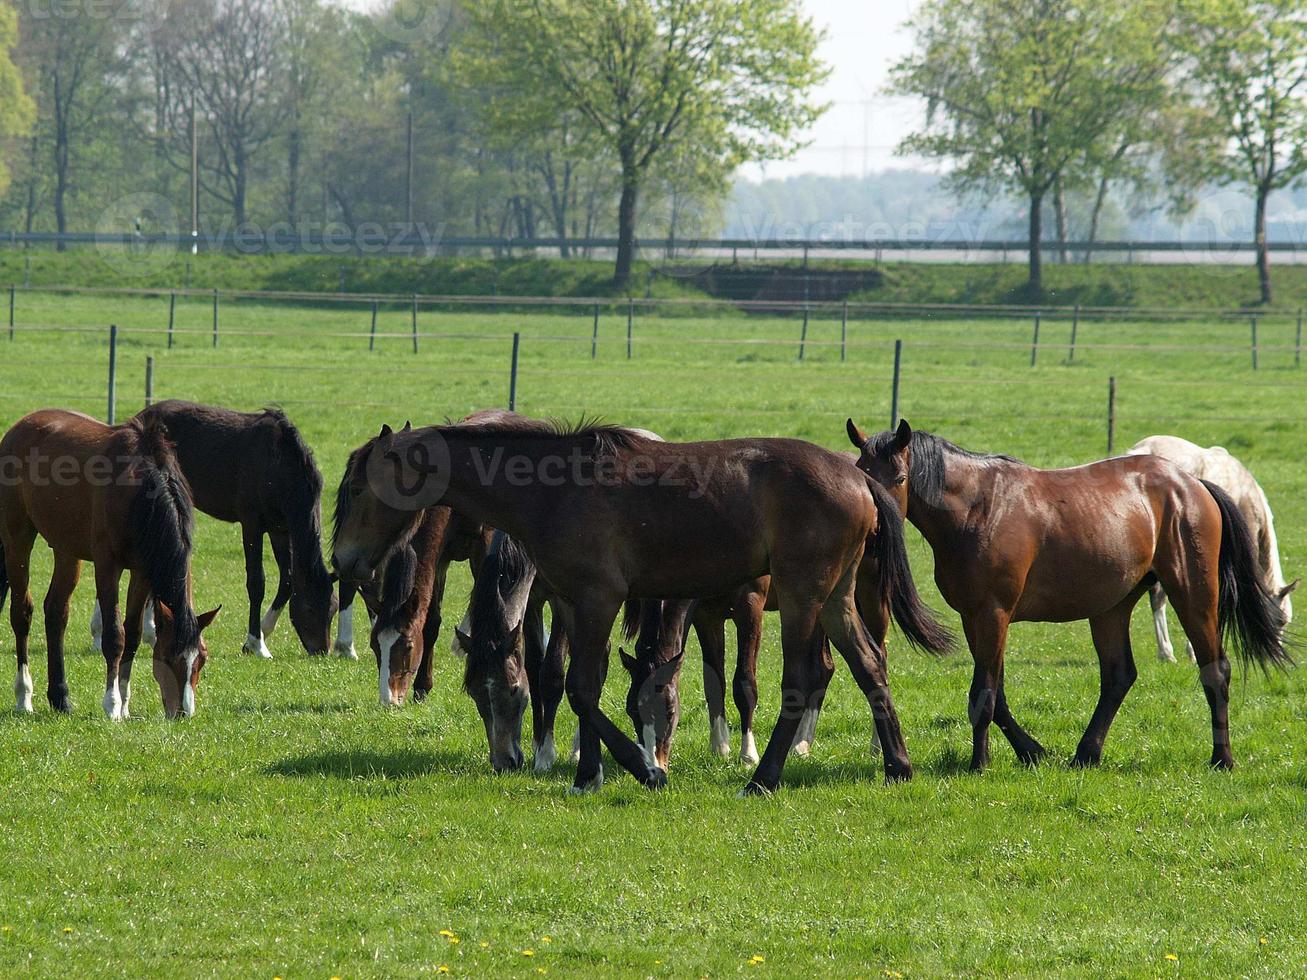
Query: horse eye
<point x="900" y="480"/>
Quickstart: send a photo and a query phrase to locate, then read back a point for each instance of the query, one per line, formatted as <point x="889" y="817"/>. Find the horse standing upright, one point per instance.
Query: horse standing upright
<point x="609" y="515"/>
<point x="1216" y="465"/>
<point x="1014" y="543"/>
<point x="254" y="469"/>
<point x="115" y="496"/>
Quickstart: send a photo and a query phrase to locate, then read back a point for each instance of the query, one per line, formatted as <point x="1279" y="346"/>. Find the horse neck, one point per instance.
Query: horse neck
<point x="940" y="518"/>
<point x="479" y="491"/>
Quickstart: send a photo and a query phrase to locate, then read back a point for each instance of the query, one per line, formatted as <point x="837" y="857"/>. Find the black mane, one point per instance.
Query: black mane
<point x="302" y="498"/>
<point x="930" y="455"/>
<point x="163" y="525"/>
<point x="501" y="571"/>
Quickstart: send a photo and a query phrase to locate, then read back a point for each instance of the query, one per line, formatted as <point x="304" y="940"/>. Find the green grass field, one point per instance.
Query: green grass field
<point x="295" y="829"/>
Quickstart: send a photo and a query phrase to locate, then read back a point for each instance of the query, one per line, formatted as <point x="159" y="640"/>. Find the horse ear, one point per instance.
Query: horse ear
<point x="629" y="662"/>
<point x="162" y="611"/>
<point x="206" y="620"/>
<point x="408" y="426"/>
<point x="1288" y="588"/>
<point x="902" y="436"/>
<point x="669" y="670"/>
<point x="515" y="638"/>
<point x="464" y="646"/>
<point x="856" y="435"/>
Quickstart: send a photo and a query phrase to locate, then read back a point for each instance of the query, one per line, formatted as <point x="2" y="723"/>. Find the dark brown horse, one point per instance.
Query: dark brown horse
<point x="254" y="469"/>
<point x="1014" y="543"/>
<point x="114" y="496"/>
<point x="885" y="591"/>
<point x="609" y="515"/>
<point x="511" y="659"/>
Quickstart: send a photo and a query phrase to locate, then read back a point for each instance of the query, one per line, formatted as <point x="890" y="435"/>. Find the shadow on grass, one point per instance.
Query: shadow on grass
<point x="372" y="764"/>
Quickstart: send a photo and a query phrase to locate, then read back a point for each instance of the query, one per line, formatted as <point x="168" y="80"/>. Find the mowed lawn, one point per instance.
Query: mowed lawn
<point x="293" y="828"/>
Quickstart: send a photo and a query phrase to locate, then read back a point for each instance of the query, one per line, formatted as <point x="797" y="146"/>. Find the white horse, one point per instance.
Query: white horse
<point x="1219" y="467"/>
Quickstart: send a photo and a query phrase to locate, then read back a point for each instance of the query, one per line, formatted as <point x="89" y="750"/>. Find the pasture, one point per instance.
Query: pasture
<point x="293" y="828"/>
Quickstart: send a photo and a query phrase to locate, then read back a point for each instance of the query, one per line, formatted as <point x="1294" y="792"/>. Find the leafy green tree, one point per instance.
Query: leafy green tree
<point x="1247" y="62"/>
<point x="16" y="109"/>
<point x="1024" y="94"/>
<point x="726" y="81"/>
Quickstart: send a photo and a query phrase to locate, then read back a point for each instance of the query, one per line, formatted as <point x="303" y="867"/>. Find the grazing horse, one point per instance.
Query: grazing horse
<point x="1219" y="467"/>
<point x="407" y="624"/>
<point x="510" y="659"/>
<point x="254" y="469"/>
<point x="884" y="590"/>
<point x="114" y="496"/>
<point x="1014" y="543"/>
<point x="608" y="515"/>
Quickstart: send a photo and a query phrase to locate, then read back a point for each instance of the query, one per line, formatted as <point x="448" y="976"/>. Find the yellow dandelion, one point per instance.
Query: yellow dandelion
<point x="453" y="940"/>
<point x="1263" y="941"/>
<point x="1173" y="958"/>
<point x="11" y="929"/>
<point x="894" y="974"/>
<point x="67" y="930"/>
<point x="546" y="939"/>
<point x="443" y="968"/>
<point x="528" y="952"/>
<point x="447" y="933"/>
<point x="756" y="960"/>
<point x="484" y="944"/>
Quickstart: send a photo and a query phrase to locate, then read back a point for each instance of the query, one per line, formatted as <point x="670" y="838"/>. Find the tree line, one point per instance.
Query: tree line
<point x="520" y="118"/>
<point x="1045" y="98"/>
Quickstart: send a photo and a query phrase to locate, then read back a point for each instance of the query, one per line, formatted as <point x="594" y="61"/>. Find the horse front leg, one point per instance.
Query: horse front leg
<point x="344" y="645"/>
<point x="426" y="676"/>
<point x="107" y="579"/>
<point x="710" y="628"/>
<point x="138" y="605"/>
<point x="252" y="542"/>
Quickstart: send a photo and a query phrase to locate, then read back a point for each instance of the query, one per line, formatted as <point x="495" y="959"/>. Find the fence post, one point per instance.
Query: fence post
<point x="1034" y="342"/>
<point x="630" y="324"/>
<point x="149" y="381"/>
<point x="594" y="337"/>
<point x="14" y="289"/>
<point x="803" y="335"/>
<point x="894" y="391"/>
<point x="844" y="331"/>
<point x="372" y="335"/>
<point x="415" y="323"/>
<point x="172" y="316"/>
<point x="113" y="372"/>
<point x="512" y="375"/>
<point x="215" y="318"/>
<point x="1075" y="326"/>
<point x="1111" y="413"/>
<point x="1297" y="342"/>
<point x="1252" y="325"/>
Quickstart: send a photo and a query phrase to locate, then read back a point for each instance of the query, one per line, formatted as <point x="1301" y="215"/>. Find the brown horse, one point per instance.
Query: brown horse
<point x="407" y="624"/>
<point x="114" y="496"/>
<point x="609" y="515"/>
<point x="1014" y="543"/>
<point x="885" y="591"/>
<point x="254" y="469"/>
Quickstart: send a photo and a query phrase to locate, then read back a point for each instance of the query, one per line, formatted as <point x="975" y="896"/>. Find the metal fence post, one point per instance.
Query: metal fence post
<point x="512" y="374"/>
<point x="415" y="323"/>
<point x="113" y="372"/>
<point x="894" y="391"/>
<point x="1297" y="342"/>
<point x="372" y="336"/>
<point x="1111" y="413"/>
<point x="844" y="331"/>
<point x="1252" y="325"/>
<point x="149" y="381"/>
<point x="1075" y="326"/>
<point x="594" y="336"/>
<point x="215" y="318"/>
<point x="803" y="335"/>
<point x="14" y="289"/>
<point x="172" y="316"/>
<point x="630" y="324"/>
<point x="1034" y="342"/>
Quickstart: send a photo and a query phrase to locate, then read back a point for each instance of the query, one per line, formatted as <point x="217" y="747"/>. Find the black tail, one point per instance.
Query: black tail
<point x="4" y="577"/>
<point x="897" y="588"/>
<point x="1249" y="614"/>
<point x="630" y="619"/>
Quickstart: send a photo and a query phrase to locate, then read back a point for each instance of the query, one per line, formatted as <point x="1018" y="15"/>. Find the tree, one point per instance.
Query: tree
<point x="75" y="59"/>
<point x="724" y="81"/>
<point x="1247" y="63"/>
<point x="16" y="109"/>
<point x="1024" y="94"/>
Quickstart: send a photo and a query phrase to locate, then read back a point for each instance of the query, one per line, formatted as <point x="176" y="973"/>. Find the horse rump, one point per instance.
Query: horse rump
<point x="1249" y="614"/>
<point x="897" y="588"/>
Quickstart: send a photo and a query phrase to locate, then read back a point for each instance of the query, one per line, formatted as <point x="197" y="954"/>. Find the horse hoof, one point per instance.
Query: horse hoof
<point x="255" y="645"/>
<point x="1166" y="656"/>
<point x="64" y="707"/>
<point x="898" y="772"/>
<point x="1223" y="762"/>
<point x="1083" y="760"/>
<point x="1032" y="756"/>
<point x="802" y="749"/>
<point x="753" y="788"/>
<point x="544" y="756"/>
<point x="592" y="785"/>
<point x="346" y="651"/>
<point x="419" y="693"/>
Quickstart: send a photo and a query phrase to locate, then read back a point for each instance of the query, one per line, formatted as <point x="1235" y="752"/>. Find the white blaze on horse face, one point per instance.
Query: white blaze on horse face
<point x="386" y="642"/>
<point x="648" y="739"/>
<point x="345" y="633"/>
<point x="113" y="704"/>
<point x="23" y="690"/>
<point x="188" y="686"/>
<point x="721" y="737"/>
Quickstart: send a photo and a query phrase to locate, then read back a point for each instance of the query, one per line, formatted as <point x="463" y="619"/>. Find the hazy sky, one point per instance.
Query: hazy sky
<point x="860" y="129"/>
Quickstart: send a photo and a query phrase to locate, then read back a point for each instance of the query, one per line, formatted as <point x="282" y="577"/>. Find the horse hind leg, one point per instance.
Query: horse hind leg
<point x="1117" y="674"/>
<point x="711" y="631"/>
<point x="16" y="555"/>
<point x="1157" y="600"/>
